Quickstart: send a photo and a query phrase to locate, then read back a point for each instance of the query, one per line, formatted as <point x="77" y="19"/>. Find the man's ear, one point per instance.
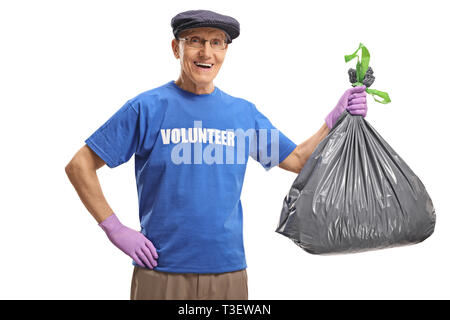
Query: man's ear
<point x="175" y="48"/>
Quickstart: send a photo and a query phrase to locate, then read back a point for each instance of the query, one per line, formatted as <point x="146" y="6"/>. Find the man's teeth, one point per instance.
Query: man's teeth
<point x="208" y="65"/>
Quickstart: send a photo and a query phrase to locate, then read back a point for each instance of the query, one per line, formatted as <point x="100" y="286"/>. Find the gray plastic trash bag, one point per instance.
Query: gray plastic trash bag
<point x="355" y="194"/>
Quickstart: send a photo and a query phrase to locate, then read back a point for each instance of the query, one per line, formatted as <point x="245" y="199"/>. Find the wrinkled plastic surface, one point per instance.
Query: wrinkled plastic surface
<point x="355" y="194"/>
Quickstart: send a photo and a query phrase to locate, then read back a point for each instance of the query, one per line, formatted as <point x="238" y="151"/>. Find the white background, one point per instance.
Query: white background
<point x="67" y="66"/>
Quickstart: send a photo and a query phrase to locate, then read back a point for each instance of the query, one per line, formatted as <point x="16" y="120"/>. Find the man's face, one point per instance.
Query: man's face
<point x="191" y="57"/>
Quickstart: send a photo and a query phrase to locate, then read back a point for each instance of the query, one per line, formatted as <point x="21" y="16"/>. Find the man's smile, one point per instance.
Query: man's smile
<point x="203" y="65"/>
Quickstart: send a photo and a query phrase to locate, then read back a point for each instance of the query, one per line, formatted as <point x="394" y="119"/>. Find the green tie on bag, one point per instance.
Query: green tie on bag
<point x="363" y="75"/>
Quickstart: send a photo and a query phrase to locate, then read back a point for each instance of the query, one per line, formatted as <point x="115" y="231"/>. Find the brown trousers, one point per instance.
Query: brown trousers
<point x="149" y="284"/>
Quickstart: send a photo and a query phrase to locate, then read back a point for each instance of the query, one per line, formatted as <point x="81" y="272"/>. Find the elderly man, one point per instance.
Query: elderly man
<point x="191" y="143"/>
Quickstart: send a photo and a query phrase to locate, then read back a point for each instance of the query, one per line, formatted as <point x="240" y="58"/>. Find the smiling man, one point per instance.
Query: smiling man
<point x="190" y="245"/>
<point x="199" y="70"/>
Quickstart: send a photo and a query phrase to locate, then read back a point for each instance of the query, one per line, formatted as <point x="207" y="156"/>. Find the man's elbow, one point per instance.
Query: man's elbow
<point x="297" y="169"/>
<point x="76" y="165"/>
<point x="84" y="159"/>
<point x="71" y="167"/>
<point x="299" y="163"/>
<point x="293" y="168"/>
<point x="293" y="162"/>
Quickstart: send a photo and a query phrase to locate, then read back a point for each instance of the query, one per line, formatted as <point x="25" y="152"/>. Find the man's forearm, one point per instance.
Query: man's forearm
<point x="87" y="185"/>
<point x="297" y="159"/>
<point x="305" y="149"/>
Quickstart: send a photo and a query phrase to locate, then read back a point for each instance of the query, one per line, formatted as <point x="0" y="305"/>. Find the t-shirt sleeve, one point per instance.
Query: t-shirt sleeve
<point x="117" y="139"/>
<point x="271" y="146"/>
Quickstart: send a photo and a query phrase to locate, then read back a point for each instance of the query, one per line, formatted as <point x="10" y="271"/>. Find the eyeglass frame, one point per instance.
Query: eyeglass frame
<point x="203" y="41"/>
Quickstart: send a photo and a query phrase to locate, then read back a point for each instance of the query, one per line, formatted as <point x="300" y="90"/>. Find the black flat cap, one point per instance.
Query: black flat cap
<point x="205" y="18"/>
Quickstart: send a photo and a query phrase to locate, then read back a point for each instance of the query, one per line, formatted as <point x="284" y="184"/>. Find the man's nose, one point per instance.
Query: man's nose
<point x="206" y="50"/>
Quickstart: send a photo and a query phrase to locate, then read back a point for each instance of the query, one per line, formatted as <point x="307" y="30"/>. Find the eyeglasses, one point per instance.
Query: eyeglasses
<point x="197" y="42"/>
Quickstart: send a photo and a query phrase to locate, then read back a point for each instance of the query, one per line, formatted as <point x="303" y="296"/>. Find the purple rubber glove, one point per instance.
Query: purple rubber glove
<point x="131" y="242"/>
<point x="353" y="100"/>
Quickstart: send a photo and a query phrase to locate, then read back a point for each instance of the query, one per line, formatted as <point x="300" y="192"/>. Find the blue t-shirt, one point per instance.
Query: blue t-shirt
<point x="191" y="153"/>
